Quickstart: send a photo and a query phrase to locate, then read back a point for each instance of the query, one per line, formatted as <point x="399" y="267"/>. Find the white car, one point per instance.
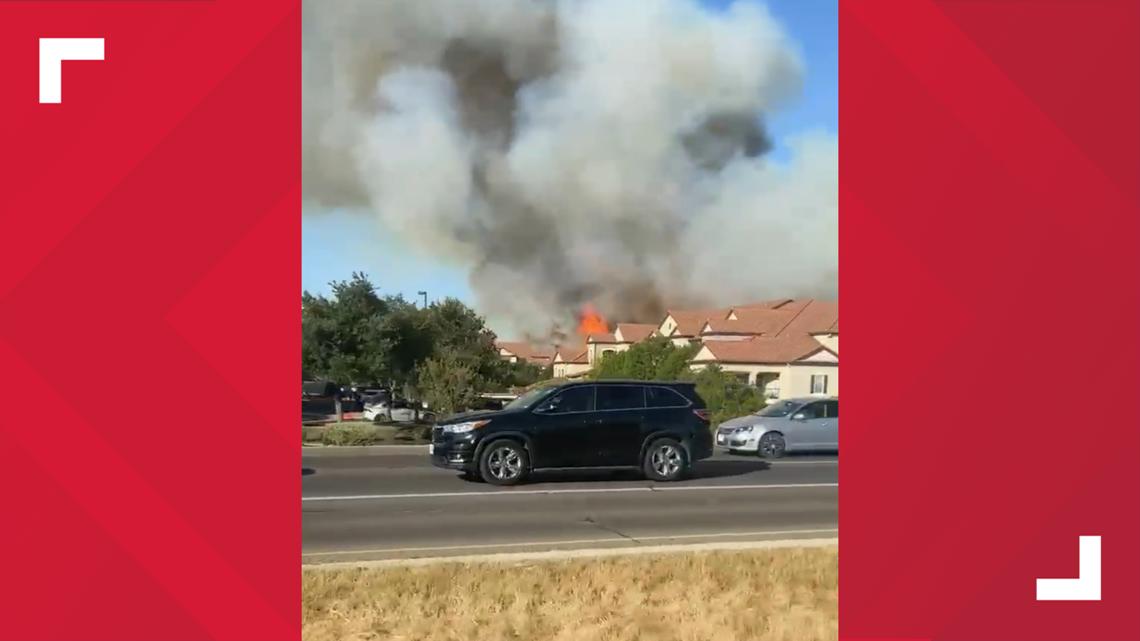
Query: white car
<point x="402" y="411"/>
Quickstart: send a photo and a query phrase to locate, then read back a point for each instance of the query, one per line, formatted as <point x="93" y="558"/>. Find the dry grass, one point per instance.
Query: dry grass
<point x="763" y="595"/>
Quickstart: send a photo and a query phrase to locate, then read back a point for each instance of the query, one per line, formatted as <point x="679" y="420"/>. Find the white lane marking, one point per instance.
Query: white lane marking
<point x="605" y="490"/>
<point x="637" y="539"/>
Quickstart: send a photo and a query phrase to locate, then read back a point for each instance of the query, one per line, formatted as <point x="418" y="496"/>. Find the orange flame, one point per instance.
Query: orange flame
<point x="590" y="321"/>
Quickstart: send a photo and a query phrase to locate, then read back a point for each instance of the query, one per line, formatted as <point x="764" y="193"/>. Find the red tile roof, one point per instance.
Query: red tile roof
<point x="795" y="317"/>
<point x="817" y="315"/>
<point x="690" y="322"/>
<point x="600" y="338"/>
<point x="768" y="323"/>
<point x="526" y="351"/>
<point x="635" y="332"/>
<point x="760" y="350"/>
<point x="574" y="353"/>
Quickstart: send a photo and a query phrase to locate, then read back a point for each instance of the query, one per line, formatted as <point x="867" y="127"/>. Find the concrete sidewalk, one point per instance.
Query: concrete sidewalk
<point x="363" y="450"/>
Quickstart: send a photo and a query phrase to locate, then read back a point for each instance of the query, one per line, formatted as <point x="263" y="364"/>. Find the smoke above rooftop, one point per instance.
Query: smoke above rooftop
<point x="604" y="152"/>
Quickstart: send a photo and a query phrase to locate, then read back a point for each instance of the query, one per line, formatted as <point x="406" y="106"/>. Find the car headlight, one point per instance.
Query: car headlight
<point x="463" y="428"/>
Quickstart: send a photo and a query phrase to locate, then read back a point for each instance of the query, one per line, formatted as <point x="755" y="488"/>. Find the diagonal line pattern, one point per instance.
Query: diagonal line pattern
<point x="215" y="336"/>
<point x="1034" y="245"/>
<point x="95" y="177"/>
<point x="970" y="85"/>
<point x="73" y="334"/>
<point x="140" y="520"/>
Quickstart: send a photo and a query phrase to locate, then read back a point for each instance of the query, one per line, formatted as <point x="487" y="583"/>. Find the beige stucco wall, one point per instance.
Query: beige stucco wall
<point x="594" y="351"/>
<point x="799" y="378"/>
<point x="790" y="380"/>
<point x="567" y="370"/>
<point x="667" y="326"/>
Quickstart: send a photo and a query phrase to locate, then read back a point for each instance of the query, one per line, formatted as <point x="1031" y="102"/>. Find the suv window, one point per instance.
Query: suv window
<point x="813" y="410"/>
<point x="575" y="399"/>
<point x="832" y="409"/>
<point x="664" y="397"/>
<point x="620" y="397"/>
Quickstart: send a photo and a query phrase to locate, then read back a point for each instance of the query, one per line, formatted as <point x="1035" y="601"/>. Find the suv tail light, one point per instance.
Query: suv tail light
<point x="702" y="414"/>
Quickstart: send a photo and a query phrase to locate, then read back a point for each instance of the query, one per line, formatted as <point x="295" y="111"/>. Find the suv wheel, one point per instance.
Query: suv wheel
<point x="665" y="460"/>
<point x="772" y="445"/>
<point x="504" y="463"/>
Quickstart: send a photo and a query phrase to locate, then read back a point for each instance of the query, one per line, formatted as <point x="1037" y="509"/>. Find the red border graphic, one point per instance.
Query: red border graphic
<point x="149" y="330"/>
<point x="149" y="276"/>
<point x="988" y="215"/>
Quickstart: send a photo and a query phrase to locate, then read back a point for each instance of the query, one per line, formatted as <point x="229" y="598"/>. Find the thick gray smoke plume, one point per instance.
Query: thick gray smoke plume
<point x="565" y="152"/>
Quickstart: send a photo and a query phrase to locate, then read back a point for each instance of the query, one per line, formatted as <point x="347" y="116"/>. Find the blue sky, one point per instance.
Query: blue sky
<point x="334" y="245"/>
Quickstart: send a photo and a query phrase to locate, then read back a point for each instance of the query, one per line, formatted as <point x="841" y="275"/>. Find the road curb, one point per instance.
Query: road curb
<point x="349" y="450"/>
<point x="590" y="553"/>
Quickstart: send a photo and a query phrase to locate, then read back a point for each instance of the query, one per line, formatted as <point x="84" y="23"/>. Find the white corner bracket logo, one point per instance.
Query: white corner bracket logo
<point x="1086" y="587"/>
<point x="53" y="51"/>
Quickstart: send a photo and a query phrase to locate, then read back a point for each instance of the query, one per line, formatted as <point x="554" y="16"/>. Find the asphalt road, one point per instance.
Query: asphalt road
<point x="360" y="505"/>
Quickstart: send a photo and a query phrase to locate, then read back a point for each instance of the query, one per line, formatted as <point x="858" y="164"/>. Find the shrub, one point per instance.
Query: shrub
<point x="352" y="434"/>
<point x="727" y="396"/>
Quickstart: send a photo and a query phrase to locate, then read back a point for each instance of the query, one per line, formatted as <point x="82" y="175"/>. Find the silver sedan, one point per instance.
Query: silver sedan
<point x="790" y="425"/>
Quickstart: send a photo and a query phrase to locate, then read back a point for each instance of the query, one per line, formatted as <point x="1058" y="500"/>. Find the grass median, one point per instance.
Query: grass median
<point x="763" y="595"/>
<point x="366" y="433"/>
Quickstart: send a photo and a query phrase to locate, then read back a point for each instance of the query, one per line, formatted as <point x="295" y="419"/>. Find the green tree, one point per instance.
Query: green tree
<point x="654" y="359"/>
<point x="520" y="374"/>
<point x="462" y="333"/>
<point x="408" y="339"/>
<point x="340" y="335"/>
<point x="449" y="383"/>
<point x="726" y="395"/>
<point x="357" y="336"/>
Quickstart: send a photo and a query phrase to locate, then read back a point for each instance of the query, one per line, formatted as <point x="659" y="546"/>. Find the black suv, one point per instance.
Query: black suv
<point x="658" y="427"/>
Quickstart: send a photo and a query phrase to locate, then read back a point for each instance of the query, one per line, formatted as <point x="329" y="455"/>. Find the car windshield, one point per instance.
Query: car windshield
<point x="777" y="410"/>
<point x="528" y="398"/>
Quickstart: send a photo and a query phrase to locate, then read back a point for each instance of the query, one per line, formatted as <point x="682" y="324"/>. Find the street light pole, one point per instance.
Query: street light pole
<point x="424" y="294"/>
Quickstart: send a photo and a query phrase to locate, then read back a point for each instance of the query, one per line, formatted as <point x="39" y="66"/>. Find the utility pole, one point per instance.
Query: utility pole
<point x="424" y="294"/>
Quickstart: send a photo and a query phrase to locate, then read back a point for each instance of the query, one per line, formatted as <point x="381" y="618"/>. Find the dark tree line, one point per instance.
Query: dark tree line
<point x="443" y="354"/>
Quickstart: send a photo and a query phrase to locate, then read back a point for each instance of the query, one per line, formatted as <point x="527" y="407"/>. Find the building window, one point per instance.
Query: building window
<point x="819" y="383"/>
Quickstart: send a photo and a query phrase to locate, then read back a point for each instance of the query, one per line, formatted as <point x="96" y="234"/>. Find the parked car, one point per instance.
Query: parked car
<point x="792" y="425"/>
<point x="660" y="428"/>
<point x="318" y="389"/>
<point x="376" y="408"/>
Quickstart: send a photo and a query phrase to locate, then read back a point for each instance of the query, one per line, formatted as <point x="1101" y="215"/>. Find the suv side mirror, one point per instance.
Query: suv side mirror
<point x="799" y="417"/>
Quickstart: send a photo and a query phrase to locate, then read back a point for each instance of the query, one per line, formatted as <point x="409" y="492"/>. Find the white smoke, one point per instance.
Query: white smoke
<point x="564" y="152"/>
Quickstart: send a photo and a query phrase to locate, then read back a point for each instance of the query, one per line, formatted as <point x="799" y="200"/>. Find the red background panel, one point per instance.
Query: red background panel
<point x="149" y="326"/>
<point x="989" y="180"/>
<point x="148" y="320"/>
